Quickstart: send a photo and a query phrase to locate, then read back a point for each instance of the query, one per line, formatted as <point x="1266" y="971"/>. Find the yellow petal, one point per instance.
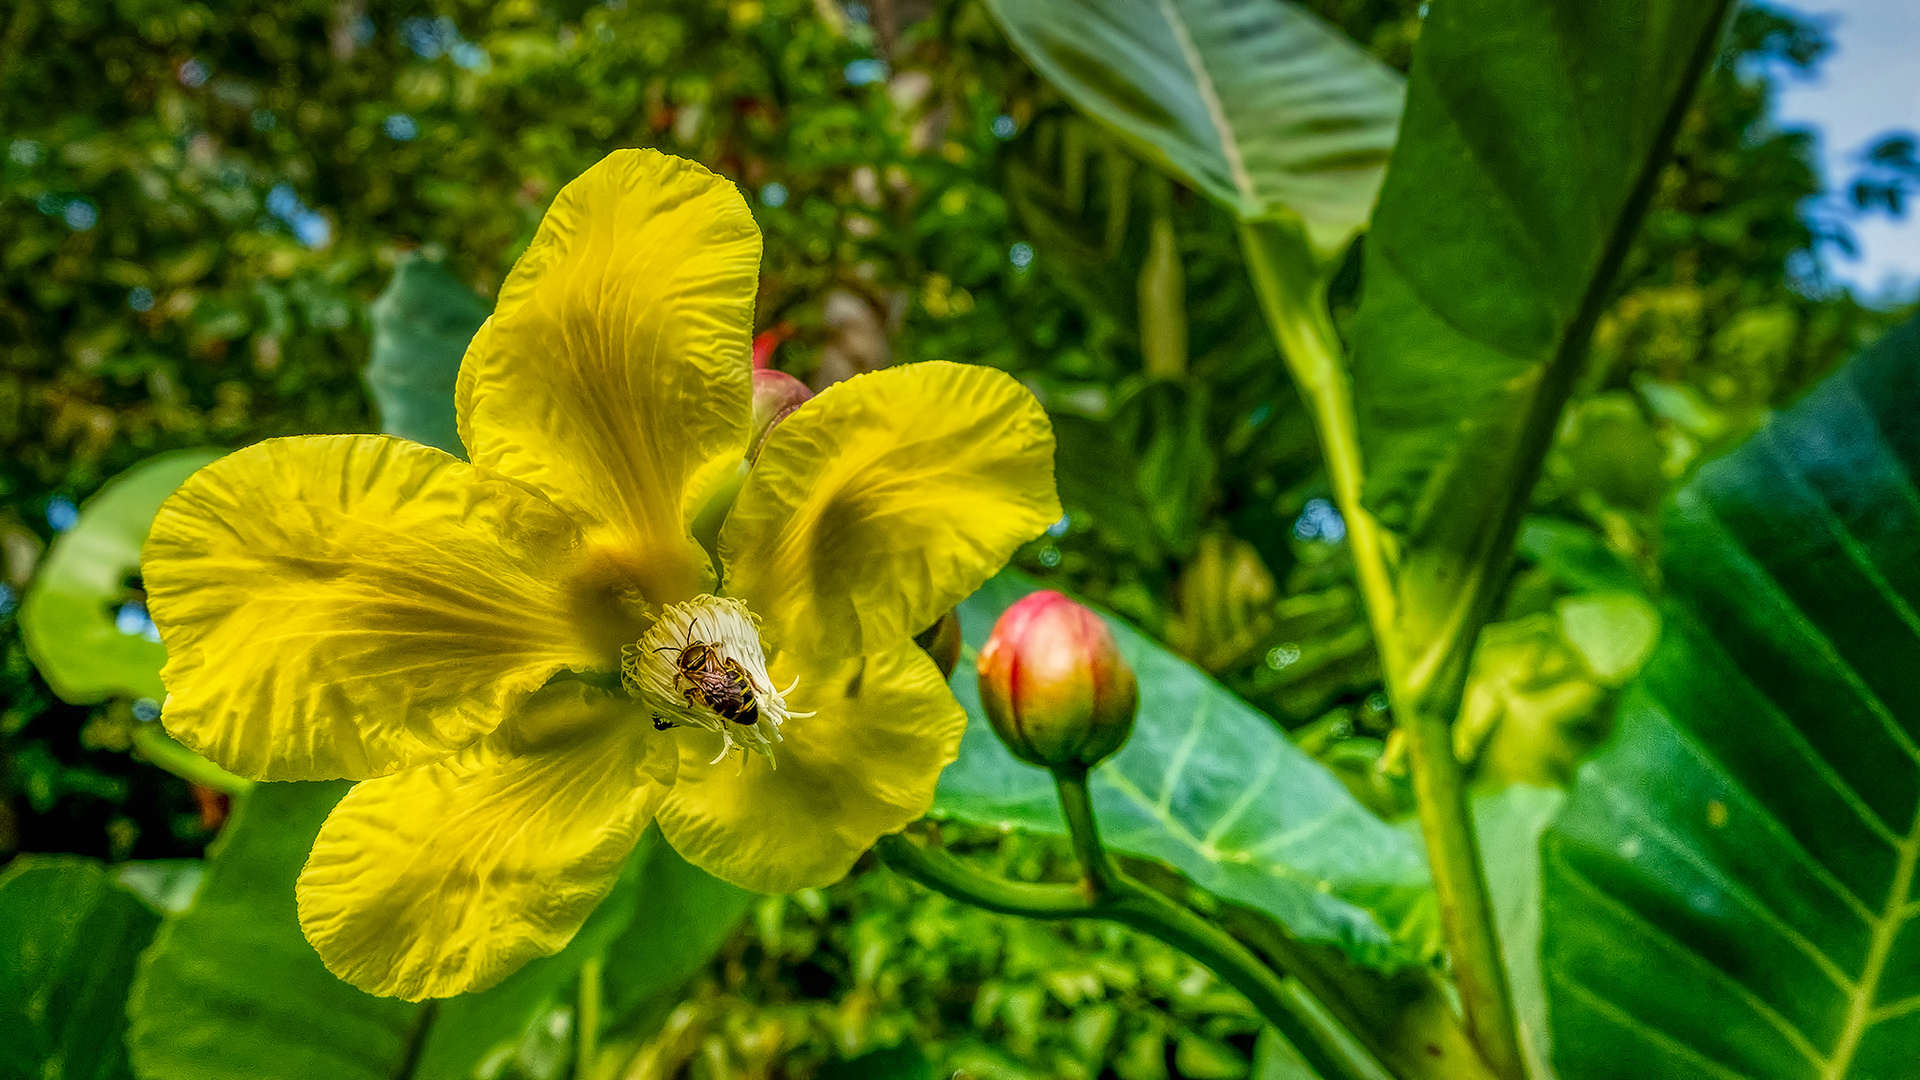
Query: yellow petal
<point x="865" y="764"/>
<point x="447" y="878"/>
<point x="887" y="500"/>
<point x="345" y="606"/>
<point x="614" y="375"/>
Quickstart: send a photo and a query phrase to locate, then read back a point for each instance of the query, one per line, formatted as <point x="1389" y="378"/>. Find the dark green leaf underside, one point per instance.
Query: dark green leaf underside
<point x="1532" y="134"/>
<point x="1211" y="787"/>
<point x="1731" y="892"/>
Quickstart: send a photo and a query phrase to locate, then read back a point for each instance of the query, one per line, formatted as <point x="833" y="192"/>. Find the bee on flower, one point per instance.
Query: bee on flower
<point x="638" y="600"/>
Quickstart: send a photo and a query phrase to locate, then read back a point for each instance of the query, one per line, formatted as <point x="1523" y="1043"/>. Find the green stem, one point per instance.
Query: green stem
<point x="417" y="1038"/>
<point x="1330" y="1050"/>
<point x="1466" y="910"/>
<point x="1102" y="876"/>
<point x="1293" y="295"/>
<point x="159" y="748"/>
<point x="589" y="1018"/>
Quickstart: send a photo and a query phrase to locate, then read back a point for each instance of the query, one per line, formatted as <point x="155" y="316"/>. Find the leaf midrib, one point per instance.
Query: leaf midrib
<point x="1216" y="109"/>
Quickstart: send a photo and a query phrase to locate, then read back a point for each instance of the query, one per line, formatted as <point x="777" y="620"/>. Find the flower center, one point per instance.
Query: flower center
<point x="701" y="665"/>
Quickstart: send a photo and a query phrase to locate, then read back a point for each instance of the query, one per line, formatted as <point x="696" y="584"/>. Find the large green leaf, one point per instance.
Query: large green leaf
<point x="232" y="989"/>
<point x="1255" y="102"/>
<point x="422" y="323"/>
<point x="1534" y="133"/>
<point x="1731" y="891"/>
<point x="70" y="617"/>
<point x="1212" y="788"/>
<point x="69" y="936"/>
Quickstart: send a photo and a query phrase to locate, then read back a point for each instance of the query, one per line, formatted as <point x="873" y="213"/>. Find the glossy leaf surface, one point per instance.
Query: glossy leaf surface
<point x="422" y="323"/>
<point x="1731" y="890"/>
<point x="69" y="936"/>
<point x="1257" y="103"/>
<point x="1211" y="787"/>
<point x="85" y="628"/>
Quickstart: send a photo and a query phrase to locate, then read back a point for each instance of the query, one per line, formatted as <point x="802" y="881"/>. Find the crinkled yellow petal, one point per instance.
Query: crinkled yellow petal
<point x="350" y="605"/>
<point x="865" y="764"/>
<point x="614" y="374"/>
<point x="887" y="500"/>
<point x="447" y="878"/>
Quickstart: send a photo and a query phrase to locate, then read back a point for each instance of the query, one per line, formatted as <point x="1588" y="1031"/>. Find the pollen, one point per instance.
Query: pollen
<point x="702" y="665"/>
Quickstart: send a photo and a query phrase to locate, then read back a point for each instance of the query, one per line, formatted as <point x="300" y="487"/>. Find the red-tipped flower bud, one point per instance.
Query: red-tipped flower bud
<point x="1054" y="685"/>
<point x="775" y="394"/>
<point x="768" y="340"/>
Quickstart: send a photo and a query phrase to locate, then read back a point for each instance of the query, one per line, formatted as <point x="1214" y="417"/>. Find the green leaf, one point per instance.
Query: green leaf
<point x="1256" y="103"/>
<point x="68" y="617"/>
<point x="422" y="323"/>
<point x="683" y="916"/>
<point x="1211" y="787"/>
<point x="1731" y="890"/>
<point x="906" y="1061"/>
<point x="1534" y="134"/>
<point x="69" y="937"/>
<point x="232" y="989"/>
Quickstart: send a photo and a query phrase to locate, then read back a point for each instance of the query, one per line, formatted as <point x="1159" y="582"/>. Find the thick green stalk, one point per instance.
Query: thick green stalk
<point x="1293" y="295"/>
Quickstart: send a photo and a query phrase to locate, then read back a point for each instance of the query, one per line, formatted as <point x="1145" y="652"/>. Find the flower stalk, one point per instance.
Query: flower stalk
<point x="1060" y="695"/>
<point x="1107" y="892"/>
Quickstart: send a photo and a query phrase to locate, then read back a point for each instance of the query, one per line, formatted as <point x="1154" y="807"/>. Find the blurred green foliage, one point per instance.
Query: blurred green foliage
<point x="876" y="961"/>
<point x="201" y="200"/>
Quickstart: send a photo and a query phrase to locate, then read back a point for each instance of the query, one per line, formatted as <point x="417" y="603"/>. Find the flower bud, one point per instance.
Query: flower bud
<point x="775" y="394"/>
<point x="941" y="641"/>
<point x="766" y="341"/>
<point x="1054" y="685"/>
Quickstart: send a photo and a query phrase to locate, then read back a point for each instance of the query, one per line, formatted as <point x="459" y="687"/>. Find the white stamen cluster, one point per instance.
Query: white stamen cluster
<point x="652" y="670"/>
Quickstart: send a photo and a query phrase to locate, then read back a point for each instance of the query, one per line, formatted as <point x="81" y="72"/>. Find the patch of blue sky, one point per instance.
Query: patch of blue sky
<point x="1865" y="89"/>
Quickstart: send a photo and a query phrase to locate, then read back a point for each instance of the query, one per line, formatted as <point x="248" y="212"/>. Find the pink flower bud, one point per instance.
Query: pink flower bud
<point x="1054" y="684"/>
<point x="775" y="394"/>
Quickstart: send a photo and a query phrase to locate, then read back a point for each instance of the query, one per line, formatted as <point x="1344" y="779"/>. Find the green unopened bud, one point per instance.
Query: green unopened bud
<point x="775" y="394"/>
<point x="1054" y="685"/>
<point x="941" y="641"/>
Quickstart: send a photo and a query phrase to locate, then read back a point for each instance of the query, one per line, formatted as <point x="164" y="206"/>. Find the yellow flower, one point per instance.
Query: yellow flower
<point x="453" y="634"/>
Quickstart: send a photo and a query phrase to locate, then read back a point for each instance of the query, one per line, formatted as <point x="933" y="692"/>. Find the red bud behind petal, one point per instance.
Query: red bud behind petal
<point x="768" y="340"/>
<point x="1054" y="684"/>
<point x="775" y="394"/>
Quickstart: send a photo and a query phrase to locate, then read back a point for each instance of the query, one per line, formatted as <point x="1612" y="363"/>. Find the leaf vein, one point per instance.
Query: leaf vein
<point x="1673" y="946"/>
